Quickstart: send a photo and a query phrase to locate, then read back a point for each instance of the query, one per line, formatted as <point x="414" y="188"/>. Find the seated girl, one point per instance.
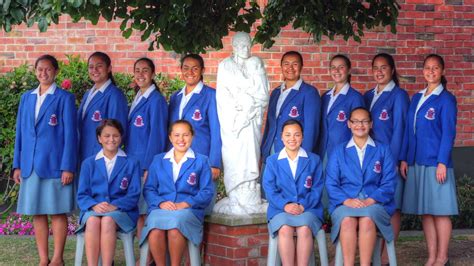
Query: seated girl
<point x="178" y="189"/>
<point x="293" y="184"/>
<point x="361" y="181"/>
<point x="109" y="189"/>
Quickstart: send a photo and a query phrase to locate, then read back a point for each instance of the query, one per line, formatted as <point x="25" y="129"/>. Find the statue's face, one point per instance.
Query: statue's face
<point x="241" y="48"/>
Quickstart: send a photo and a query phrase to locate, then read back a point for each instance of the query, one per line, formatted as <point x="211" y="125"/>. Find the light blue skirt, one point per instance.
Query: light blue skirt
<point x="183" y="220"/>
<point x="210" y="207"/>
<point x="304" y="219"/>
<point x="142" y="206"/>
<point x="376" y="212"/>
<point x="424" y="195"/>
<point x="39" y="196"/>
<point x="123" y="221"/>
<point x="399" y="192"/>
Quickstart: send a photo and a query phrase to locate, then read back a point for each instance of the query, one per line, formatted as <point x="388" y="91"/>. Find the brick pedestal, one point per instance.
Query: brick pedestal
<point x="235" y="240"/>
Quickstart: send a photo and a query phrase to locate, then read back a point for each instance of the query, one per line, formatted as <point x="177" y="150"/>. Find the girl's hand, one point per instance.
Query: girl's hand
<point x="354" y="203"/>
<point x="441" y="173"/>
<point x="182" y="205"/>
<point x="66" y="177"/>
<point x="216" y="172"/>
<point x="111" y="207"/>
<point x="101" y="207"/>
<point x="368" y="201"/>
<point x="404" y="169"/>
<point x="145" y="175"/>
<point x="168" y="205"/>
<point x="292" y="208"/>
<point x="17" y="176"/>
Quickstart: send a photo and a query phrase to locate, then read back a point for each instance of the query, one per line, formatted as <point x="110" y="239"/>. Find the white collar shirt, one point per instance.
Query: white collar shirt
<point x="177" y="166"/>
<point x="93" y="92"/>
<point x="293" y="163"/>
<point x="139" y="97"/>
<point x="109" y="163"/>
<point x="333" y="97"/>
<point x="361" y="151"/>
<point x="185" y="98"/>
<point x="436" y="91"/>
<point x="284" y="94"/>
<point x="388" y="88"/>
<point x="40" y="98"/>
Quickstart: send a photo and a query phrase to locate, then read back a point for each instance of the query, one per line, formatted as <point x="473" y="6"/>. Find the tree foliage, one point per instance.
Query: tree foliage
<point x="196" y="25"/>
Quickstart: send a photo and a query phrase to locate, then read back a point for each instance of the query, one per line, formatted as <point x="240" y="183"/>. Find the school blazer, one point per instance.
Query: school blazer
<point x="201" y="112"/>
<point x="334" y="128"/>
<point x="49" y="145"/>
<point x="303" y="105"/>
<point x="147" y="129"/>
<point x="435" y="130"/>
<point x="194" y="184"/>
<point x="345" y="179"/>
<point x="109" y="104"/>
<point x="389" y="117"/>
<point x="121" y="190"/>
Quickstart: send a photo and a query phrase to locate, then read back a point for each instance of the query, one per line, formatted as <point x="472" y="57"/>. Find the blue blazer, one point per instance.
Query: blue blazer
<point x="389" y="117"/>
<point x="303" y="105"/>
<point x="194" y="184"/>
<point x="345" y="179"/>
<point x="435" y="131"/>
<point x="147" y="129"/>
<point x="281" y="188"/>
<point x="48" y="146"/>
<point x="201" y="112"/>
<point x="109" y="104"/>
<point x="121" y="190"/>
<point x="334" y="128"/>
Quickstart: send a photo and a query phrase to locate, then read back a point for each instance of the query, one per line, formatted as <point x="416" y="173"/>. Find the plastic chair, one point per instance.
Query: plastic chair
<point x="194" y="254"/>
<point x="392" y="255"/>
<point x="274" y="259"/>
<point x="127" y="240"/>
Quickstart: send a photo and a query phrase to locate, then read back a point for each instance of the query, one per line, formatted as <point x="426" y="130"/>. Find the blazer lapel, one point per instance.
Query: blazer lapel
<point x="100" y="164"/>
<point x="285" y="167"/>
<point x="142" y="102"/>
<point x="352" y="154"/>
<point x="302" y="164"/>
<point x="119" y="164"/>
<point x="97" y="97"/>
<point x="432" y="98"/>
<point x="31" y="103"/>
<point x="50" y="98"/>
<point x="185" y="167"/>
<point x="338" y="101"/>
<point x="381" y="99"/>
<point x="369" y="153"/>
<point x="191" y="102"/>
<point x="288" y="99"/>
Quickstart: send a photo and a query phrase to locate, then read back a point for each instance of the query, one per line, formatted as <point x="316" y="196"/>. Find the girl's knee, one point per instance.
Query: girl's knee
<point x="304" y="231"/>
<point x="108" y="224"/>
<point x="349" y="224"/>
<point x="366" y="223"/>
<point x="286" y="231"/>
<point x="174" y="234"/>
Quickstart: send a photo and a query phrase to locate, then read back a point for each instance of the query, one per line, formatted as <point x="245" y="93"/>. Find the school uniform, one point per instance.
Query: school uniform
<point x="429" y="139"/>
<point x="363" y="173"/>
<point x="45" y="146"/>
<point x="116" y="181"/>
<point x="389" y="109"/>
<point x="302" y="103"/>
<point x="106" y="102"/>
<point x="294" y="181"/>
<point x="188" y="180"/>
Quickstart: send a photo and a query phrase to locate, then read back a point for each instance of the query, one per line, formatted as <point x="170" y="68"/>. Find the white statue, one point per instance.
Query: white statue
<point x="242" y="95"/>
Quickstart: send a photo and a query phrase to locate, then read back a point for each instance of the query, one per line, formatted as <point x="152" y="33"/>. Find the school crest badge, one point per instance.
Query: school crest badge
<point x="192" y="179"/>
<point x="430" y="114"/>
<point x="308" y="183"/>
<point x="384" y="115"/>
<point x="96" y="116"/>
<point x="53" y="120"/>
<point x="377" y="167"/>
<point x="124" y="183"/>
<point x="294" y="112"/>
<point x="341" y="116"/>
<point x="197" y="115"/>
<point x="138" y="121"/>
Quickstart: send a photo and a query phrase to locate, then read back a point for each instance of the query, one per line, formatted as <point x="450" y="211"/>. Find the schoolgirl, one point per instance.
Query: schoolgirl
<point x="45" y="158"/>
<point x="293" y="185"/>
<point x="103" y="101"/>
<point x="109" y="189"/>
<point x="430" y="188"/>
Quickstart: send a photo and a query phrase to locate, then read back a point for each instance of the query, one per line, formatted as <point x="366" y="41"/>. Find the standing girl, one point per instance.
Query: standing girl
<point x="293" y="185"/>
<point x="109" y="189"/>
<point x="44" y="159"/>
<point x="388" y="104"/>
<point x="430" y="188"/>
<point x="103" y="101"/>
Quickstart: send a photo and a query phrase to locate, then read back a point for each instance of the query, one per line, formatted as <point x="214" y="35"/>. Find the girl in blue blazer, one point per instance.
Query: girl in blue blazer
<point x="178" y="189"/>
<point x="361" y="182"/>
<point x="44" y="159"/>
<point x="147" y="124"/>
<point x="103" y="101"/>
<point x="196" y="103"/>
<point x="294" y="99"/>
<point x="430" y="188"/>
<point x="109" y="189"/>
<point x="388" y="104"/>
<point x="293" y="184"/>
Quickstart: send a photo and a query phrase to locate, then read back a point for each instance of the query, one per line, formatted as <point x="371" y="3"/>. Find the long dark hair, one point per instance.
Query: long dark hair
<point x="440" y="59"/>
<point x="104" y="57"/>
<point x="151" y="65"/>
<point x="195" y="57"/>
<point x="347" y="61"/>
<point x="391" y="63"/>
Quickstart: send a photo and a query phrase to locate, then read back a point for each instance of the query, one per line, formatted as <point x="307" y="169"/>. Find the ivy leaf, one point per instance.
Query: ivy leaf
<point x="127" y="33"/>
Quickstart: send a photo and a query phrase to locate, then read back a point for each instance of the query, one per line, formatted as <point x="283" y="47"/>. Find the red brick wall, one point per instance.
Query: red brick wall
<point x="424" y="26"/>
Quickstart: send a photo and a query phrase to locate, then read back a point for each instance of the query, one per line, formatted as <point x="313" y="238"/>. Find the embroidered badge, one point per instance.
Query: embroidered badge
<point x="341" y="116"/>
<point x="96" y="116"/>
<point x="53" y="120"/>
<point x="138" y="121"/>
<point x="192" y="179"/>
<point x="308" y="183"/>
<point x="378" y="167"/>
<point x="124" y="183"/>
<point x="384" y="115"/>
<point x="197" y="115"/>
<point x="294" y="112"/>
<point x="430" y="114"/>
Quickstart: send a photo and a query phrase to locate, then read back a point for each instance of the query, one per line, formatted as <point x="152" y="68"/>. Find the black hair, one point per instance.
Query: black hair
<point x="361" y="108"/>
<point x="50" y="58"/>
<point x="347" y="61"/>
<point x="195" y="57"/>
<point x="295" y="53"/>
<point x="440" y="59"/>
<point x="180" y="121"/>
<point x="108" y="123"/>
<point x="150" y="64"/>
<point x="391" y="63"/>
<point x="108" y="62"/>
<point x="290" y="122"/>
